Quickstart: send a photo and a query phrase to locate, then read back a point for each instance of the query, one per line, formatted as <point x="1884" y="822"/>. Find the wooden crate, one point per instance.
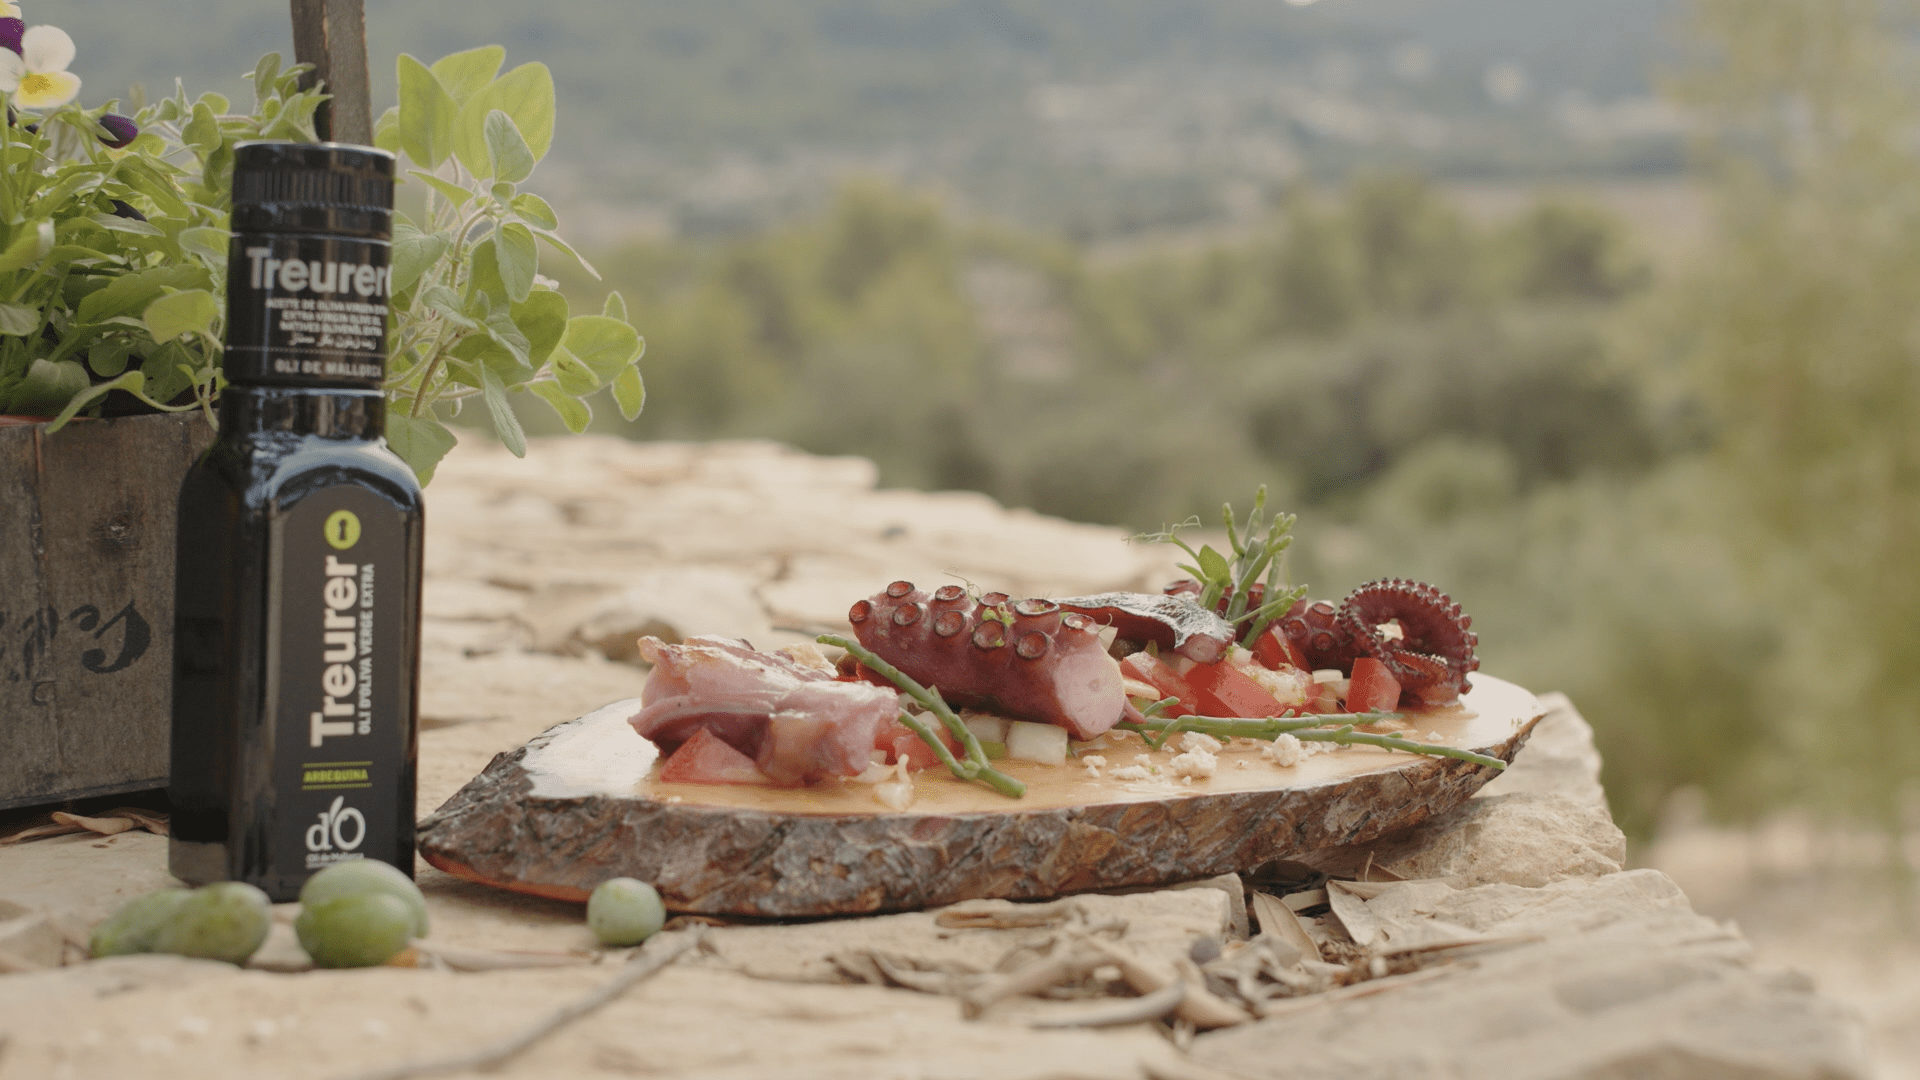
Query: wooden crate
<point x="86" y="603"/>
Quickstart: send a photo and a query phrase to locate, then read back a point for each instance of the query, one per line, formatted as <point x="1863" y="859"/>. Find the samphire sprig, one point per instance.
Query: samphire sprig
<point x="975" y="767"/>
<point x="1259" y="545"/>
<point x="1336" y="728"/>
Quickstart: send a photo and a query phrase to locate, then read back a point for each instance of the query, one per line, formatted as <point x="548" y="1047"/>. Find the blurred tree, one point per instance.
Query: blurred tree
<point x="1414" y="252"/>
<point x="1563" y="251"/>
<point x="1808" y="349"/>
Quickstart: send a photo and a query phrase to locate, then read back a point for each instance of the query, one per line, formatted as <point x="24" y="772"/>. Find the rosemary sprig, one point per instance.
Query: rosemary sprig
<point x="1323" y="727"/>
<point x="976" y="766"/>
<point x="1259" y="545"/>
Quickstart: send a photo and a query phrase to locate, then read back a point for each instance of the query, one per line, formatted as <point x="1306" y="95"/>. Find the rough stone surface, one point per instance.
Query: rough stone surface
<point x="1542" y="821"/>
<point x="1623" y="981"/>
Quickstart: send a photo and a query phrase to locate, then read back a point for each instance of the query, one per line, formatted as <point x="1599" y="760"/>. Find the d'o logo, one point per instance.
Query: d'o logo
<point x="336" y="822"/>
<point x="343" y="529"/>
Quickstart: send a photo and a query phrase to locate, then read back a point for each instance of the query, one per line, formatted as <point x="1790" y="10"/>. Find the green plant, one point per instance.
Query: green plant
<point x="113" y="248"/>
<point x="473" y="316"/>
<point x="113" y="245"/>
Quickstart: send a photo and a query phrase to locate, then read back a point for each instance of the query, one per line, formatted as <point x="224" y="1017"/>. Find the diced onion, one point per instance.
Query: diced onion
<point x="1044" y="743"/>
<point x="1327" y="674"/>
<point x="987" y="728"/>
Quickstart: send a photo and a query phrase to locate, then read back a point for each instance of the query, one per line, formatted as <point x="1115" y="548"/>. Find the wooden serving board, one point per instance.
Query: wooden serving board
<point x="581" y="803"/>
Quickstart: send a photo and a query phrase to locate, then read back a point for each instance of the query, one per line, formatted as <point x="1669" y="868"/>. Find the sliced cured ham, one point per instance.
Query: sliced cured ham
<point x="795" y="721"/>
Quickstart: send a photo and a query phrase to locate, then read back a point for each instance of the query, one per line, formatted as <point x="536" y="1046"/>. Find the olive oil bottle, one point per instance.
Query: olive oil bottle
<point x="297" y="588"/>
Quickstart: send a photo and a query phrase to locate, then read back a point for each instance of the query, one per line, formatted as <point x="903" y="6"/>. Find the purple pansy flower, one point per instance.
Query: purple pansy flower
<point x="11" y="30"/>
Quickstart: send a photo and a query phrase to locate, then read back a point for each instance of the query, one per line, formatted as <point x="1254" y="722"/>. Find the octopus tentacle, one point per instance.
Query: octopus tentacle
<point x="1434" y="653"/>
<point x="1028" y="660"/>
<point x="1314" y="626"/>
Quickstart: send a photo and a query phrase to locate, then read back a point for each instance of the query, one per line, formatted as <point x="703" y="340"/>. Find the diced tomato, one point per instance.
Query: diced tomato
<point x="1276" y="650"/>
<point x="707" y="759"/>
<point x="1372" y="686"/>
<point x="851" y="670"/>
<point x="898" y="740"/>
<point x="1154" y="671"/>
<point x="1326" y="699"/>
<point x="1225" y="690"/>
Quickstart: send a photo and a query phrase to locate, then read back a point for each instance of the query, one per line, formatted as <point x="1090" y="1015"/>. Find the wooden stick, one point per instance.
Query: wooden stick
<point x="1130" y="1011"/>
<point x="642" y="967"/>
<point x="332" y="36"/>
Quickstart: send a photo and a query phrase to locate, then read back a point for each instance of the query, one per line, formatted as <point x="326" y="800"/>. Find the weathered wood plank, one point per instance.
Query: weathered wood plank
<point x="575" y="807"/>
<point x="332" y="36"/>
<point x="86" y="587"/>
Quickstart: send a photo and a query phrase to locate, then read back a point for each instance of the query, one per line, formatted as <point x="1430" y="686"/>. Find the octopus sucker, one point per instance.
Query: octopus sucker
<point x="1315" y="626"/>
<point x="1055" y="671"/>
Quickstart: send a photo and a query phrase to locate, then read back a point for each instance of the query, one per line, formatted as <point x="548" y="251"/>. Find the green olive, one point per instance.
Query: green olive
<point x="623" y="911"/>
<point x="360" y="877"/>
<point x="133" y="928"/>
<point x="226" y="920"/>
<point x="355" y="931"/>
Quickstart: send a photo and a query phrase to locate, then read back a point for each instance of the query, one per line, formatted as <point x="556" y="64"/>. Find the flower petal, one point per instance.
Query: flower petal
<point x="46" y="89"/>
<point x="46" y="48"/>
<point x="11" y="68"/>
<point x="119" y="130"/>
<point x="10" y="10"/>
<point x="10" y="31"/>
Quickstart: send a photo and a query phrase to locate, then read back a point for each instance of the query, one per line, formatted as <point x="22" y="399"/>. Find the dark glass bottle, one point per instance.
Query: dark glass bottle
<point x="297" y="587"/>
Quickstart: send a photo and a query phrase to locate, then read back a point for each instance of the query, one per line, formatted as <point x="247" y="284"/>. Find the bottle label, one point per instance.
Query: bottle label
<point x="306" y="311"/>
<point x="344" y="717"/>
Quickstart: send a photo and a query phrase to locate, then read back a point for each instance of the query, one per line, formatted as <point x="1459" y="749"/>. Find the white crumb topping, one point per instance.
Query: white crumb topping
<point x="1285" y="751"/>
<point x="1131" y="772"/>
<point x="1143" y="759"/>
<point x="1193" y="740"/>
<point x="1195" y="764"/>
<point x="1291" y="688"/>
<point x="896" y="794"/>
<point x="1093" y="762"/>
<point x="1434" y="736"/>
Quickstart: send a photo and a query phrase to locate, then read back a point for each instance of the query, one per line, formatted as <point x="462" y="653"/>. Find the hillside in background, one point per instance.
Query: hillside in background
<point x="1089" y="118"/>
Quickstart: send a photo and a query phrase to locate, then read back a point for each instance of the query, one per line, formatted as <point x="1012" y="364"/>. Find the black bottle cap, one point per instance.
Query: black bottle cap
<point x="313" y="188"/>
<point x="308" y="279"/>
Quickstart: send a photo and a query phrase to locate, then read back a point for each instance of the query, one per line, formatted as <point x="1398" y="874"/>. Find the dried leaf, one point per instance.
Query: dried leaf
<point x="1004" y="915"/>
<point x="1357" y="990"/>
<point x="1138" y="1010"/>
<point x="1200" y="1006"/>
<point x="151" y="820"/>
<point x="40" y="832"/>
<point x="1301" y="901"/>
<point x="105" y="826"/>
<point x="1277" y="919"/>
<point x="1351" y="909"/>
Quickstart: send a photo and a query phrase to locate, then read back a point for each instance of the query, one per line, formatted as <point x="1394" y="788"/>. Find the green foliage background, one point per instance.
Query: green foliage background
<point x="1689" y="498"/>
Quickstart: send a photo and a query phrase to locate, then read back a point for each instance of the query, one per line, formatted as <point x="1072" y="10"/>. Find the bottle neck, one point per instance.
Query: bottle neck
<point x="328" y="414"/>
